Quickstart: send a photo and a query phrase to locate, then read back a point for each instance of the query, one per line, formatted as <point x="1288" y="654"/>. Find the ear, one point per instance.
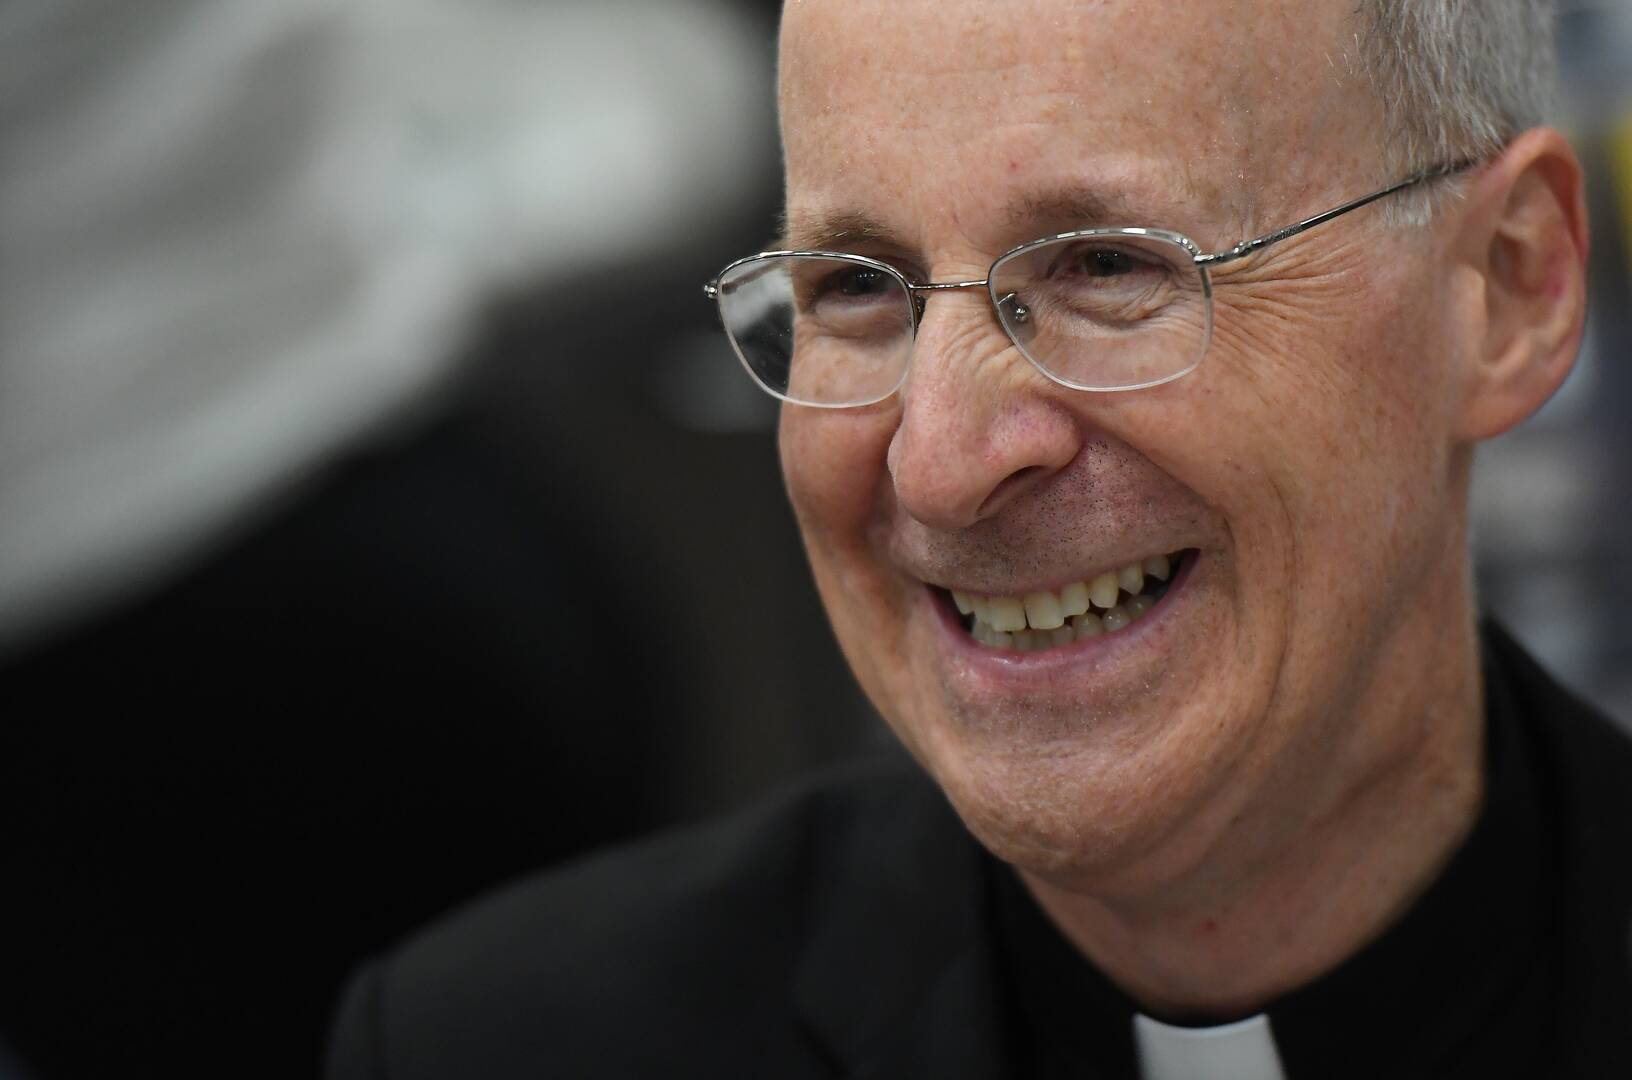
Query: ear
<point x="1524" y="235"/>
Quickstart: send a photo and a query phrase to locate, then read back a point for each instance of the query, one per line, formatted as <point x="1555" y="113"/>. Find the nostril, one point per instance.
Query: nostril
<point x="1011" y="484"/>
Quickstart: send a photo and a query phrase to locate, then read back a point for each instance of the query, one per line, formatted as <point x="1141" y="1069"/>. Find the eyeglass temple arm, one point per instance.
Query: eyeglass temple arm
<point x="1247" y="247"/>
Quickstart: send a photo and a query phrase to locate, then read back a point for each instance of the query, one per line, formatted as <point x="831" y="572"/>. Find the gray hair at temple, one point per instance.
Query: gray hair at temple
<point x="1457" y="78"/>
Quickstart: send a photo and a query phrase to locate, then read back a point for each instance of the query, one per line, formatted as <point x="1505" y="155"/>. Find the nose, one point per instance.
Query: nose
<point x="979" y="426"/>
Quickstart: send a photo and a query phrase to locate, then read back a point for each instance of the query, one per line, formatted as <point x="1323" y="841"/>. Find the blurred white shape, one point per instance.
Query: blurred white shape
<point x="236" y="236"/>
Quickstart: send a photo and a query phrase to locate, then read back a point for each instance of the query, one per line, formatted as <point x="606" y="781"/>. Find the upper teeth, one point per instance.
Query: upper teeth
<point x="1014" y="621"/>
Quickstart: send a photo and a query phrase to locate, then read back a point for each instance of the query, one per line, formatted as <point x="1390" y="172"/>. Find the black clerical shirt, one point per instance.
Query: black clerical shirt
<point x="1463" y="985"/>
<point x="854" y="929"/>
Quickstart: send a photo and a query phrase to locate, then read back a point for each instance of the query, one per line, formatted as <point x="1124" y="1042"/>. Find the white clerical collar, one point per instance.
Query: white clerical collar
<point x="1244" y="1050"/>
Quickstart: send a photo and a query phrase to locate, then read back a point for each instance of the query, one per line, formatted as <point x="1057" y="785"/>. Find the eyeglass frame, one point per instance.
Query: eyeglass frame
<point x="1203" y="260"/>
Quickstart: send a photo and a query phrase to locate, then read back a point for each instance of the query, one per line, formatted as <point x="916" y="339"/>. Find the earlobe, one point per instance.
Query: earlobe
<point x="1525" y="234"/>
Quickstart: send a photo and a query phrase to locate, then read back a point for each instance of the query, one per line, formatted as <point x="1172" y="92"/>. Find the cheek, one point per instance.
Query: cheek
<point x="833" y="463"/>
<point x="1341" y="367"/>
<point x="1340" y="437"/>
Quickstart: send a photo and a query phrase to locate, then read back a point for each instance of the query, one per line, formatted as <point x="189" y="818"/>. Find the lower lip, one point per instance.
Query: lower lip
<point x="1103" y="650"/>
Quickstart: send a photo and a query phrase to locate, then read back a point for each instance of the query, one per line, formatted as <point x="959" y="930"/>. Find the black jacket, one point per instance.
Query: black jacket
<point x="845" y="931"/>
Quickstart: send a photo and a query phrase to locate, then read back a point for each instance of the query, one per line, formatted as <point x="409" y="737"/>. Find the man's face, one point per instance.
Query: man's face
<point x="1305" y="467"/>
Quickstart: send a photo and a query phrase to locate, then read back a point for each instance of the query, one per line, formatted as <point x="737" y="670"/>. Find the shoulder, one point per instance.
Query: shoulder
<point x="656" y="949"/>
<point x="1585" y="762"/>
<point x="1586" y="755"/>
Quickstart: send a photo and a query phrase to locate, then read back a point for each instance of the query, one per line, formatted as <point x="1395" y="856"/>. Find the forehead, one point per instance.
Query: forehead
<point x="940" y="112"/>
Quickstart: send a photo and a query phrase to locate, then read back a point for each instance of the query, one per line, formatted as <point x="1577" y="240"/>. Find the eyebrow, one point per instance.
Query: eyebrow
<point x="827" y="232"/>
<point x="1075" y="206"/>
<point x="1072" y="207"/>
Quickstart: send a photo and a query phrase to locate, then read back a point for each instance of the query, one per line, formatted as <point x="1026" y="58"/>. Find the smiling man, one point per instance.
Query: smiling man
<point x="1134" y="357"/>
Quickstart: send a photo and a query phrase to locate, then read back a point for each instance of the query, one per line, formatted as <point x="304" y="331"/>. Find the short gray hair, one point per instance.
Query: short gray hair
<point x="1456" y="78"/>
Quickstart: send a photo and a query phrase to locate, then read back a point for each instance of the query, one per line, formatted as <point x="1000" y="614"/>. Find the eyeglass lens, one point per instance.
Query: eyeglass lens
<point x="1105" y="312"/>
<point x="1096" y="313"/>
<point x="819" y="330"/>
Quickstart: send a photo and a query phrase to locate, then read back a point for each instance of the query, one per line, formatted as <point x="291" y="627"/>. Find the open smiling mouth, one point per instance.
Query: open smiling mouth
<point x="1036" y="621"/>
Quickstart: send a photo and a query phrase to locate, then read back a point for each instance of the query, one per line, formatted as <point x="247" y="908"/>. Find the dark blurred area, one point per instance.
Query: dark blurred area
<point x="382" y="514"/>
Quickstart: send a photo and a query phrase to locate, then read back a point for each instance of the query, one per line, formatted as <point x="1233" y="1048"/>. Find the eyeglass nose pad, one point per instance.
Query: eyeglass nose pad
<point x="1016" y="318"/>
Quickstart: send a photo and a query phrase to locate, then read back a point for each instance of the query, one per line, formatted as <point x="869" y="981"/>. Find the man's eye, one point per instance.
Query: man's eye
<point x="1108" y="263"/>
<point x="861" y="281"/>
<point x="836" y="290"/>
<point x="1097" y="262"/>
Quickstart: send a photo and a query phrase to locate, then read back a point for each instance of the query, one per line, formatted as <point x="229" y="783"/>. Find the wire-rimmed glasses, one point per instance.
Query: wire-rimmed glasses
<point x="1095" y="309"/>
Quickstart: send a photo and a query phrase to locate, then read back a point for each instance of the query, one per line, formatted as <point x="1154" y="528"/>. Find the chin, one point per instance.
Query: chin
<point x="1091" y="759"/>
<point x="1092" y="799"/>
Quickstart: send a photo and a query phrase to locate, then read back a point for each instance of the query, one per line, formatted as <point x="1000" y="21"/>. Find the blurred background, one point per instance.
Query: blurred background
<point x="379" y="501"/>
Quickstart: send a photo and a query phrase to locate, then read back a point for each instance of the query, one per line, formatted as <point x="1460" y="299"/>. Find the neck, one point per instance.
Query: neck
<point x="1273" y="906"/>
